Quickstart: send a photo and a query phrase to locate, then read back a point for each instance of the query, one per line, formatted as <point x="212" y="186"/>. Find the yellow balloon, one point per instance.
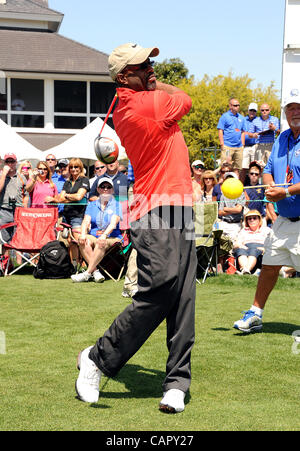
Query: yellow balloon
<point x="232" y="188"/>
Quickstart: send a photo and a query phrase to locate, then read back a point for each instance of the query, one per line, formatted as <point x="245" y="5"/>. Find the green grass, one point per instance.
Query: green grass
<point x="240" y="382"/>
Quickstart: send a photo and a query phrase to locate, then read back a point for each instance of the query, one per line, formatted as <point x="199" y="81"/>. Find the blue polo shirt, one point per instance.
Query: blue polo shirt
<point x="59" y="182"/>
<point x="232" y="125"/>
<point x="286" y="149"/>
<point x="100" y="219"/>
<point x="248" y="141"/>
<point x="259" y="125"/>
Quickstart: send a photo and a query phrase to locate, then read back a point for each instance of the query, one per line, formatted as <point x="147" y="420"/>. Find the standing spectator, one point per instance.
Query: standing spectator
<point x="264" y="129"/>
<point x="40" y="186"/>
<point x="197" y="171"/>
<point x="10" y="195"/>
<point x="99" y="171"/>
<point x="231" y="129"/>
<point x="249" y="149"/>
<point x="255" y="195"/>
<point x="146" y="120"/>
<point x="282" y="245"/>
<point x="63" y="176"/>
<point x="24" y="172"/>
<point x="119" y="180"/>
<point x="52" y="162"/>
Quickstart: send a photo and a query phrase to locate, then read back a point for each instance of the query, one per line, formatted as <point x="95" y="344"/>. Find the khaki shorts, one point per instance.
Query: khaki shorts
<point x="263" y="152"/>
<point x="248" y="156"/>
<point x="236" y="155"/>
<point x="282" y="245"/>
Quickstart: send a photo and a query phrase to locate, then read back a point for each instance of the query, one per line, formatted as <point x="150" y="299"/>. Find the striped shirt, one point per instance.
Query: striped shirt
<point x="259" y="125"/>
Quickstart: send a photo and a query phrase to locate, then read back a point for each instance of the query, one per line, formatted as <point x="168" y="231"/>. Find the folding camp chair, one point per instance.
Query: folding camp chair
<point x="207" y="239"/>
<point x="35" y="227"/>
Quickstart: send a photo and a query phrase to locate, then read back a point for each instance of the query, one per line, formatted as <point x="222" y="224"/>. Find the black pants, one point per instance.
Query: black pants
<point x="166" y="260"/>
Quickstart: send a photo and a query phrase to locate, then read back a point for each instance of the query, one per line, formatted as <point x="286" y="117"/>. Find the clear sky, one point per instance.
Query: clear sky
<point x="211" y="37"/>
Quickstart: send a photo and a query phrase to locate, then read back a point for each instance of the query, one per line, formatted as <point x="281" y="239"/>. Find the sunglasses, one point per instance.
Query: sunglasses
<point x="50" y="159"/>
<point x="10" y="161"/>
<point x="252" y="218"/>
<point x="74" y="167"/>
<point x="208" y="178"/>
<point x="42" y="170"/>
<point x="105" y="187"/>
<point x="236" y="105"/>
<point x="254" y="173"/>
<point x="142" y="66"/>
<point x="99" y="167"/>
<point x="24" y="168"/>
<point x="198" y="166"/>
<point x="265" y="110"/>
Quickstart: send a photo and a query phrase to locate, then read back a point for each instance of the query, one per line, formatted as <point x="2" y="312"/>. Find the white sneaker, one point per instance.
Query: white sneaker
<point x="98" y="277"/>
<point x="87" y="384"/>
<point x="173" y="401"/>
<point x="81" y="277"/>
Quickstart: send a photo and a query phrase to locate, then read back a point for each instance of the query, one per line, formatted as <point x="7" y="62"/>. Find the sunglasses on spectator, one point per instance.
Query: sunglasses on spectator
<point x="265" y="109"/>
<point x="43" y="169"/>
<point x="236" y="105"/>
<point x="50" y="159"/>
<point x="208" y="178"/>
<point x="99" y="167"/>
<point x="198" y="166"/>
<point x="25" y="167"/>
<point x="250" y="218"/>
<point x="106" y="187"/>
<point x="10" y="161"/>
<point x="74" y="167"/>
<point x="254" y="173"/>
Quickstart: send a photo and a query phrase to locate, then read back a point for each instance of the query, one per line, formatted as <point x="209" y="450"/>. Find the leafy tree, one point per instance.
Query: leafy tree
<point x="171" y="71"/>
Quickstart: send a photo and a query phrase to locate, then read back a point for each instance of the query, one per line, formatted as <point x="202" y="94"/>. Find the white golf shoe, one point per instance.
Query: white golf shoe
<point x="173" y="401"/>
<point x="98" y="276"/>
<point x="87" y="384"/>
<point x="82" y="277"/>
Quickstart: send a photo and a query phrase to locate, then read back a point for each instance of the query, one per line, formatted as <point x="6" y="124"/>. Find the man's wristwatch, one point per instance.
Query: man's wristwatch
<point x="287" y="194"/>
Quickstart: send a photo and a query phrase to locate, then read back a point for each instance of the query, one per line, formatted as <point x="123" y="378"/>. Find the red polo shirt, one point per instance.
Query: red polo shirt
<point x="146" y="123"/>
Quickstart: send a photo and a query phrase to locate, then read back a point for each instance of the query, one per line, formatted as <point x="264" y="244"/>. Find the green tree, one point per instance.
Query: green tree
<point x="171" y="71"/>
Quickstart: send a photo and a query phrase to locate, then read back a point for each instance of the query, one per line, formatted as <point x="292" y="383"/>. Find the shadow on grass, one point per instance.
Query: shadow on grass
<point x="268" y="328"/>
<point x="139" y="381"/>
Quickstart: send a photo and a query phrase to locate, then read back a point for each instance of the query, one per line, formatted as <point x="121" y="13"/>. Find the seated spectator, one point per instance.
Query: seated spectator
<point x="99" y="170"/>
<point x="231" y="212"/>
<point x="249" y="244"/>
<point x="40" y="186"/>
<point x="197" y="170"/>
<point x="208" y="182"/>
<point x="119" y="180"/>
<point x="73" y="194"/>
<point x="24" y="171"/>
<point x="102" y="217"/>
<point x="256" y="195"/>
<point x="224" y="168"/>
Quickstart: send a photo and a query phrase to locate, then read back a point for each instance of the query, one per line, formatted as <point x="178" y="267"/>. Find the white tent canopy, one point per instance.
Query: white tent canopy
<point x="81" y="145"/>
<point x="11" y="142"/>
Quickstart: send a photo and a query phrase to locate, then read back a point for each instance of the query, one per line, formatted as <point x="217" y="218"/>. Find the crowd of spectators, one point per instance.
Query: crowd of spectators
<point x="245" y="144"/>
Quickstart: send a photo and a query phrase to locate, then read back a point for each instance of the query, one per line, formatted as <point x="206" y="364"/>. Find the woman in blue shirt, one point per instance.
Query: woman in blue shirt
<point x="101" y="219"/>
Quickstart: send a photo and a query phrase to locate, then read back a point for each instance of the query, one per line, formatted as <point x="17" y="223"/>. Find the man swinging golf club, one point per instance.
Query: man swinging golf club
<point x="146" y="119"/>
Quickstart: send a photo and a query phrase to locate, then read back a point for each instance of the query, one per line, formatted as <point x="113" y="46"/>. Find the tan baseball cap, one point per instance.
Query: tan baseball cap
<point x="127" y="54"/>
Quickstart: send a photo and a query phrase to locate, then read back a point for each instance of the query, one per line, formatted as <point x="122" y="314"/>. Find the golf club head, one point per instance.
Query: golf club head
<point x="106" y="149"/>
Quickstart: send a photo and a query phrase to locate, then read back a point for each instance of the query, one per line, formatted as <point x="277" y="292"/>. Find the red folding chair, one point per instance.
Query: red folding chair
<point x="35" y="227"/>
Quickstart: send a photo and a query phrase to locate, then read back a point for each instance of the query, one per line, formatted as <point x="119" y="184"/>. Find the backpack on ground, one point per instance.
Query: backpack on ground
<point x="54" y="262"/>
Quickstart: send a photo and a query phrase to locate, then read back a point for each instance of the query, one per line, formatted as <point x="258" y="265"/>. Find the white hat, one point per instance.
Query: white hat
<point x="198" y="162"/>
<point x="293" y="97"/>
<point x="127" y="54"/>
<point x="230" y="174"/>
<point x="105" y="179"/>
<point x="252" y="106"/>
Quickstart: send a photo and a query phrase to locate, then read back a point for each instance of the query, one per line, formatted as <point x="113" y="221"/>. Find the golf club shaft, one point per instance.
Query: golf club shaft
<point x="108" y="113"/>
<point x="266" y="186"/>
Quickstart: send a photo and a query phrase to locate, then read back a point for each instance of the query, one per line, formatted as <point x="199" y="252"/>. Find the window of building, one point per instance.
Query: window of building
<point x="102" y="95"/>
<point x="27" y="103"/>
<point x="70" y="97"/>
